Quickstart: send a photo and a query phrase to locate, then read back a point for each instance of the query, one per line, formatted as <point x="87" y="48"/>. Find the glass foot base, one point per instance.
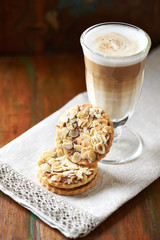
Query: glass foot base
<point x="127" y="148"/>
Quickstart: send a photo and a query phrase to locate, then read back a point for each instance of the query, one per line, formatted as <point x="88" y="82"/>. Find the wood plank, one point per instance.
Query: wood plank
<point x="58" y="79"/>
<point x="14" y="220"/>
<point x="55" y="26"/>
<point x="15" y="119"/>
<point x="15" y="95"/>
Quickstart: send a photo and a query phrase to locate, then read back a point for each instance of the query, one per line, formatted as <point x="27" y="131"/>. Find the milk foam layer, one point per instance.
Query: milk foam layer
<point x="115" y="44"/>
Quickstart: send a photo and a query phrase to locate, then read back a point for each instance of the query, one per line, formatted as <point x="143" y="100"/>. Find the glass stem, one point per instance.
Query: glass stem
<point x="117" y="134"/>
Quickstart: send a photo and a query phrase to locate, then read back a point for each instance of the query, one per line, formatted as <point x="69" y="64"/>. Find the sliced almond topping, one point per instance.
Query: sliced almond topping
<point x="58" y="143"/>
<point x="56" y="165"/>
<point x="40" y="162"/>
<point x="72" y="126"/>
<point x="98" y="115"/>
<point x="64" y="132"/>
<point x="60" y="124"/>
<point x="91" y="112"/>
<point x="79" y="174"/>
<point x="60" y="152"/>
<point x="98" y="127"/>
<point x="86" y="171"/>
<point x="74" y="133"/>
<point x="57" y="169"/>
<point x="69" y="164"/>
<point x="67" y="144"/>
<point x="100" y="148"/>
<point x="51" y="161"/>
<point x="86" y="110"/>
<point x="109" y="129"/>
<point x="105" y="129"/>
<point x="73" y="120"/>
<point x="91" y="155"/>
<point x="89" y="124"/>
<point x="85" y="130"/>
<point x="76" y="157"/>
<point x="73" y="111"/>
<point x="92" y="132"/>
<point x="86" y="143"/>
<point x="104" y="139"/>
<point x="104" y="116"/>
<point x="84" y="152"/>
<point x="98" y="137"/>
<point x="56" y="178"/>
<point x="73" y="178"/>
<point x="84" y="123"/>
<point x="78" y="147"/>
<point x="95" y="139"/>
<point x="48" y="154"/>
<point x="97" y="122"/>
<point x="79" y="122"/>
<point x="82" y="114"/>
<point x="69" y="181"/>
<point x="45" y="167"/>
<point x="67" y="173"/>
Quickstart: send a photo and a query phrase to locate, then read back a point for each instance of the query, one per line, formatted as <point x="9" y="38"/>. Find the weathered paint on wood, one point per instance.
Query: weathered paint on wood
<point x="40" y="26"/>
<point x="31" y="88"/>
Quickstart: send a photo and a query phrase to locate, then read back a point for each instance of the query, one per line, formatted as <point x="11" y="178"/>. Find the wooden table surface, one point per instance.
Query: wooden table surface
<point x="31" y="88"/>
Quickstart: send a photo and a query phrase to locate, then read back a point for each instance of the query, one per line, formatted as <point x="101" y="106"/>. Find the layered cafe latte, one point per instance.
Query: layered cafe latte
<point x="114" y="61"/>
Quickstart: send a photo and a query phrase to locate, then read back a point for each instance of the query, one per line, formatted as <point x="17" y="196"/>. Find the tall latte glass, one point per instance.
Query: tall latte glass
<point x="115" y="55"/>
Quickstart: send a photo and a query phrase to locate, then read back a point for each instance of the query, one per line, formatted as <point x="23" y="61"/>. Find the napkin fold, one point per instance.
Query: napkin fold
<point x="76" y="216"/>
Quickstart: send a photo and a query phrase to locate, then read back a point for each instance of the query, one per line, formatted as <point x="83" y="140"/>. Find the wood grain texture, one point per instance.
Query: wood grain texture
<point x="40" y="26"/>
<point x="31" y="89"/>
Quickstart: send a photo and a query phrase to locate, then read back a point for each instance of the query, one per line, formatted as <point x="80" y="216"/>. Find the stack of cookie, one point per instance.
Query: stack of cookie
<point x="84" y="136"/>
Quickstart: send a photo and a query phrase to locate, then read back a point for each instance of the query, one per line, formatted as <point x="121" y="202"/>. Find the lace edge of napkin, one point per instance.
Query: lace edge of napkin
<point x="70" y="220"/>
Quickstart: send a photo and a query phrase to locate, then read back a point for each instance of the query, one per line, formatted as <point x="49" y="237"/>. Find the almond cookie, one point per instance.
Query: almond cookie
<point x="68" y="192"/>
<point x="85" y="133"/>
<point x="57" y="172"/>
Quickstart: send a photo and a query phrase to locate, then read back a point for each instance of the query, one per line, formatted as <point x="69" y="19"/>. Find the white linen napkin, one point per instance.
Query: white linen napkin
<point x="76" y="216"/>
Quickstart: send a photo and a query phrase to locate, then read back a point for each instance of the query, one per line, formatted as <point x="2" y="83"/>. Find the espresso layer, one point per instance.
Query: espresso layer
<point x="115" y="89"/>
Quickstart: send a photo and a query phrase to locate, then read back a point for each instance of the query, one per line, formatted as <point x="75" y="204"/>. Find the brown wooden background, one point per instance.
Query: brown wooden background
<point x="49" y="26"/>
